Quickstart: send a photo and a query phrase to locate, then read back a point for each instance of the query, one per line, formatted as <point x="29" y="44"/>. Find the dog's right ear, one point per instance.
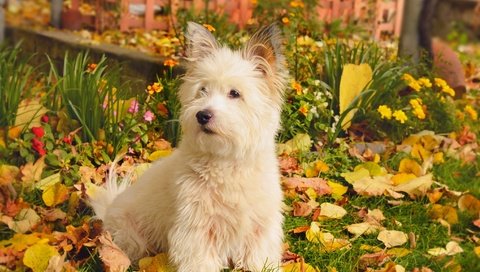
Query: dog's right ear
<point x="200" y="42"/>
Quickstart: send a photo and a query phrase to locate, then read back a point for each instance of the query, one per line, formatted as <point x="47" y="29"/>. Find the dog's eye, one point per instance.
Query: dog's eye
<point x="233" y="94"/>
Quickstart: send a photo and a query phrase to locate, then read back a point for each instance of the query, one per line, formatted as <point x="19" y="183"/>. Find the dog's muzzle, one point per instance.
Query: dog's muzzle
<point x="204" y="116"/>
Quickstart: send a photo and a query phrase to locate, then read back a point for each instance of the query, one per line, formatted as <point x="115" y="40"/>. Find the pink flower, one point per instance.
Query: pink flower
<point x="133" y="107"/>
<point x="38" y="131"/>
<point x="37" y="145"/>
<point x="148" y="116"/>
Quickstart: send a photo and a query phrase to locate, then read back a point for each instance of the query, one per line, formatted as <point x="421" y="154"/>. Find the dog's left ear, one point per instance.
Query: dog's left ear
<point x="200" y="42"/>
<point x="265" y="49"/>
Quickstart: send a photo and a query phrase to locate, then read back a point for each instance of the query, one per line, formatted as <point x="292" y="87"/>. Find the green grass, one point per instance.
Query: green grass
<point x="459" y="175"/>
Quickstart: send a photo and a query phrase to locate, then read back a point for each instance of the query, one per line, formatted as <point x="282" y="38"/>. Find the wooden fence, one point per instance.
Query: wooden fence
<point x="156" y="14"/>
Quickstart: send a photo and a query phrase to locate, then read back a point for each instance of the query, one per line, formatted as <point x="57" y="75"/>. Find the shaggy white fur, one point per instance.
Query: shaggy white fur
<point x="216" y="201"/>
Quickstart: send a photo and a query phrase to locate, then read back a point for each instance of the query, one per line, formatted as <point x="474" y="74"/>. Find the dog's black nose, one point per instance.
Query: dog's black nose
<point x="204" y="116"/>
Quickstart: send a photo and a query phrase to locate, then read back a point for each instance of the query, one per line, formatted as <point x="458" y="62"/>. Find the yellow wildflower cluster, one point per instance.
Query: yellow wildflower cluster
<point x="425" y="82"/>
<point x="471" y="112"/>
<point x="297" y="87"/>
<point x="444" y="86"/>
<point x="385" y="112"/>
<point x="417" y="108"/>
<point x="400" y="116"/>
<point x="303" y="110"/>
<point x="412" y="82"/>
<point x="154" y="88"/>
<point x="297" y="4"/>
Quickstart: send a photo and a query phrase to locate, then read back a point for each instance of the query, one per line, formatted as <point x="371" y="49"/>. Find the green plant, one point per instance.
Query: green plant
<point x="92" y="97"/>
<point x="15" y="75"/>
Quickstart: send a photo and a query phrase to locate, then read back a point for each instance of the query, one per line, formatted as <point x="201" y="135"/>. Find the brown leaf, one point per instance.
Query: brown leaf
<point x="288" y="165"/>
<point x="469" y="203"/>
<point x="112" y="256"/>
<point x="373" y="259"/>
<point x="318" y="184"/>
<point x="32" y="172"/>
<point x="300" y="229"/>
<point x="301" y="209"/>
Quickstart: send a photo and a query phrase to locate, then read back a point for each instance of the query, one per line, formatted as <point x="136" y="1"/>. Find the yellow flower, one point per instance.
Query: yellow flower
<point x="285" y="20"/>
<point x="471" y="112"/>
<point x="417" y="108"/>
<point x="400" y="116"/>
<point x="297" y="87"/>
<point x="154" y="88"/>
<point x="297" y="4"/>
<point x="303" y="110"/>
<point x="419" y="112"/>
<point x="444" y="86"/>
<point x="209" y="27"/>
<point x="321" y="167"/>
<point x="385" y="112"/>
<point x="411" y="82"/>
<point x="425" y="82"/>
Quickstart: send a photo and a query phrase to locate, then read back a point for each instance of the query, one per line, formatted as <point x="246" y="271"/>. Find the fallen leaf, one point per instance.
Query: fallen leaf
<point x="32" y="172"/>
<point x="435" y="195"/>
<point x="56" y="263"/>
<point x="477" y="251"/>
<point x="332" y="211"/>
<point x="416" y="187"/>
<point x="452" y="248"/>
<point x="157" y="263"/>
<point x="392" y="238"/>
<point x="409" y="166"/>
<point x="373" y="259"/>
<point x="301" y="209"/>
<point x="398" y="252"/>
<point x="29" y="113"/>
<point x="318" y="184"/>
<point x="338" y="190"/>
<point x="299" y="144"/>
<point x="159" y="154"/>
<point x="112" y="256"/>
<point x="298" y="267"/>
<point x="55" y="194"/>
<point x="353" y="81"/>
<point x="359" y="229"/>
<point x="24" y="221"/>
<point x="469" y="203"/>
<point x="8" y="173"/>
<point x="20" y="241"/>
<point x="447" y="213"/>
<point x="38" y="256"/>
<point x="48" y="181"/>
<point x="327" y="240"/>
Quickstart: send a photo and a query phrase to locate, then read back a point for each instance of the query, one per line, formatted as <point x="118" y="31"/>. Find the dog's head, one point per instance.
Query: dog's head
<point x="231" y="99"/>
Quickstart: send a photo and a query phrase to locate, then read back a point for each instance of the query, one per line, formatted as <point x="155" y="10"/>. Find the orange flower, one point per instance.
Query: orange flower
<point x="154" y="88"/>
<point x="297" y="87"/>
<point x="209" y="27"/>
<point x="170" y="63"/>
<point x="285" y="20"/>
<point x="91" y="67"/>
<point x="303" y="110"/>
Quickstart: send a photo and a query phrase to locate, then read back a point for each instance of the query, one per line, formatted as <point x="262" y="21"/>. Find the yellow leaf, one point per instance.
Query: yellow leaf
<point x="419" y="152"/>
<point x="55" y="194"/>
<point x="469" y="203"/>
<point x="338" y="190"/>
<point x="353" y="81"/>
<point x="29" y="113"/>
<point x="416" y="187"/>
<point x="299" y="144"/>
<point x="363" y="228"/>
<point x="8" y="173"/>
<point x="370" y="248"/>
<point x="298" y="267"/>
<point x="159" y="154"/>
<point x="311" y="172"/>
<point x="446" y="213"/>
<point x="477" y="251"/>
<point x="373" y="168"/>
<point x="20" y="242"/>
<point x="410" y="166"/>
<point x="359" y="174"/>
<point x="311" y="193"/>
<point x="398" y="252"/>
<point x="392" y="238"/>
<point x="327" y="240"/>
<point x="48" y="181"/>
<point x="158" y="263"/>
<point x="37" y="256"/>
<point x="332" y="211"/>
<point x="402" y="178"/>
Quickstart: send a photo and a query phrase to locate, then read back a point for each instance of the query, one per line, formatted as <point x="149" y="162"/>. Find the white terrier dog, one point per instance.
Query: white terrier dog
<point x="216" y="201"/>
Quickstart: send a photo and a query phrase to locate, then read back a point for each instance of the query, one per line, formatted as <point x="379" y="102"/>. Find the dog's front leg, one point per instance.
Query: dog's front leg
<point x="190" y="249"/>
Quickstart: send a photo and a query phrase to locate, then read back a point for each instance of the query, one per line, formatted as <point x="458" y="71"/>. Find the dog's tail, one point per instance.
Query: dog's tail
<point x="101" y="197"/>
